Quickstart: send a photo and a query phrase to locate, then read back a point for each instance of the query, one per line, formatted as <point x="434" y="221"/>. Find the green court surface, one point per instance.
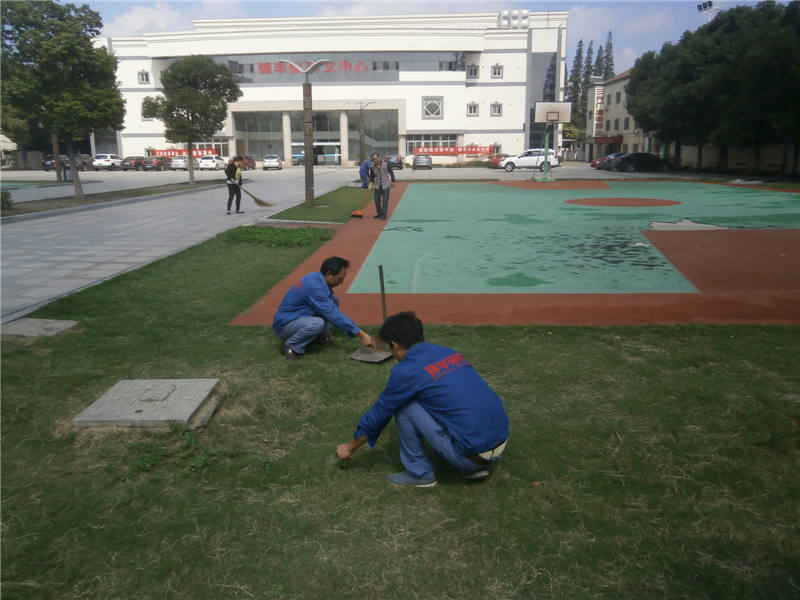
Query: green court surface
<point x="486" y="238"/>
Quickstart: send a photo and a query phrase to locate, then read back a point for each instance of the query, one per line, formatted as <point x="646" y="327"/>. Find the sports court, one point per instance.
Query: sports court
<point x="578" y="253"/>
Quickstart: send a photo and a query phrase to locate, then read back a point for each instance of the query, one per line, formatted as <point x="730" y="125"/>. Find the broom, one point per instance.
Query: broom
<point x="256" y="199"/>
<point x="359" y="214"/>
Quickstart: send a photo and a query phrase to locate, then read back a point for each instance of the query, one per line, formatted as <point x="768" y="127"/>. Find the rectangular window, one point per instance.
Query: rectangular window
<point x="627" y="123"/>
<point x="608" y="125"/>
<point x="433" y="107"/>
<point x="472" y="110"/>
<point x="619" y="95"/>
<point x="472" y="72"/>
<point x="496" y="109"/>
<point x="616" y="124"/>
<point x="144" y="77"/>
<point x="497" y="71"/>
<point x="636" y="147"/>
<point x="591" y="115"/>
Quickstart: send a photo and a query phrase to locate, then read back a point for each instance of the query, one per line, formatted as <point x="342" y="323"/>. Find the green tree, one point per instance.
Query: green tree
<point x="587" y="74"/>
<point x="599" y="63"/>
<point x="574" y="89"/>
<point x="608" y="62"/>
<point x="195" y="102"/>
<point x="53" y="74"/>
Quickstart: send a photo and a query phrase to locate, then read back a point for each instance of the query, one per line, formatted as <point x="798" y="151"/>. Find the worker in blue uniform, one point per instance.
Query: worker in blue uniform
<point x="434" y="395"/>
<point x="310" y="307"/>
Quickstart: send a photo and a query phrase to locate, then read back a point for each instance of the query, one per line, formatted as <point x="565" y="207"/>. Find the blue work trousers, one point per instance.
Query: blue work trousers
<point x="301" y="332"/>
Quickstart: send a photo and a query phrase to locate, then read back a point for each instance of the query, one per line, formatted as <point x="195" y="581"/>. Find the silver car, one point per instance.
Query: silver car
<point x="271" y="161"/>
<point x="422" y="161"/>
<point x="107" y="161"/>
<point x="182" y="162"/>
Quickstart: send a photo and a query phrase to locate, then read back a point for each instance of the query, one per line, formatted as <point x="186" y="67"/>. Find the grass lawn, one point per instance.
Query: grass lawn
<point x="333" y="207"/>
<point x="644" y="462"/>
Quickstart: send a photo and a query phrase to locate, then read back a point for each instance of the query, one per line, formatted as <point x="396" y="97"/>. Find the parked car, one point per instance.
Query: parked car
<point x="248" y="163"/>
<point x="639" y="161"/>
<point x="598" y="162"/>
<point x="496" y="159"/>
<point x="133" y="162"/>
<point x="182" y="162"/>
<point x="49" y="162"/>
<point x="157" y="163"/>
<point x="271" y="161"/>
<point x="533" y="158"/>
<point x="107" y="161"/>
<point x="422" y="161"/>
<point x="396" y="162"/>
<point x="212" y="162"/>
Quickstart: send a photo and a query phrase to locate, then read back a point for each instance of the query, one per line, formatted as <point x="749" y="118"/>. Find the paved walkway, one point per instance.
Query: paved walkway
<point x="52" y="256"/>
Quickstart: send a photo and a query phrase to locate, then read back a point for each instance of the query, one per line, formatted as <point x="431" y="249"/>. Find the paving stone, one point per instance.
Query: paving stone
<point x="152" y="403"/>
<point x="28" y="327"/>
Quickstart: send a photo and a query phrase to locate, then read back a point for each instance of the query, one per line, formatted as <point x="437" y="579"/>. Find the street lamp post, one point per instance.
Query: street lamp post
<point x="308" y="125"/>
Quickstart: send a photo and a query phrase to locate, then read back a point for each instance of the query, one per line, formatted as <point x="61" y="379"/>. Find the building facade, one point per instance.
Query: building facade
<point x="609" y="126"/>
<point x="458" y="85"/>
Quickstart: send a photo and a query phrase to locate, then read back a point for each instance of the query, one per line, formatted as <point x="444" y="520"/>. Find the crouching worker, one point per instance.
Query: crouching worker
<point x="434" y="394"/>
<point x="310" y="307"/>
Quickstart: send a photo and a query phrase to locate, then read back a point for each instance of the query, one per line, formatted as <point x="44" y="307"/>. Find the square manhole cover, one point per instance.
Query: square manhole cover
<point x="152" y="403"/>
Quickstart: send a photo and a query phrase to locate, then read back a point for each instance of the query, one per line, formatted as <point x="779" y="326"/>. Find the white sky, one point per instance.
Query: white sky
<point x="636" y="27"/>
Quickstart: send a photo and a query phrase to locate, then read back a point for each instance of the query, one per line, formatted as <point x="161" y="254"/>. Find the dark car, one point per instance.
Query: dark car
<point x="133" y="162"/>
<point x="598" y="162"/>
<point x="422" y="161"/>
<point x="494" y="160"/>
<point x="48" y="162"/>
<point x="157" y="163"/>
<point x="607" y="162"/>
<point x="639" y="161"/>
<point x="248" y="163"/>
<point x="396" y="162"/>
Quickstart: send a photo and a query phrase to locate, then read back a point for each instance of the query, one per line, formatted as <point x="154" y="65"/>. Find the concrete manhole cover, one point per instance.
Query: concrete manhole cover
<point x="152" y="403"/>
<point x="29" y="327"/>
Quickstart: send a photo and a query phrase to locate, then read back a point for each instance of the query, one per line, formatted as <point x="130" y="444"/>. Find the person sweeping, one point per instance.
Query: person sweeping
<point x="233" y="172"/>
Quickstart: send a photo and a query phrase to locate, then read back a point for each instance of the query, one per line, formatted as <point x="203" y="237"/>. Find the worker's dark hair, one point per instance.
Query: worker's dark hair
<point x="403" y="328"/>
<point x="237" y="157"/>
<point x="333" y="265"/>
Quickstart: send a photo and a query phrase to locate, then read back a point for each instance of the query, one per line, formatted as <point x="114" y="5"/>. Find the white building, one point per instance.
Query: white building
<point x="433" y="81"/>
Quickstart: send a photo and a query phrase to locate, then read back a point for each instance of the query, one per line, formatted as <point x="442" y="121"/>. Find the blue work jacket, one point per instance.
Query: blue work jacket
<point x="312" y="297"/>
<point x="443" y="382"/>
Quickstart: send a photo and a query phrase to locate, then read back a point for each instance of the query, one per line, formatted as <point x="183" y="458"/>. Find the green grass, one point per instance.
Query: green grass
<point x="644" y="462"/>
<point x="34" y="206"/>
<point x="333" y="207"/>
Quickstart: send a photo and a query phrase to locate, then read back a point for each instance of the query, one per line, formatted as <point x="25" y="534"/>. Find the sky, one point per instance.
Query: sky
<point x="636" y="26"/>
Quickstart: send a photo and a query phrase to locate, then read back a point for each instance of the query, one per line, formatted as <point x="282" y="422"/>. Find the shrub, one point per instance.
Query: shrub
<point x="5" y="199"/>
<point x="275" y="237"/>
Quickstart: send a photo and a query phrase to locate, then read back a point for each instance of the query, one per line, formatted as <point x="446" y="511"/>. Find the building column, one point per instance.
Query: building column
<point x="287" y="138"/>
<point x="401" y="145"/>
<point x="344" y="138"/>
<point x="460" y="143"/>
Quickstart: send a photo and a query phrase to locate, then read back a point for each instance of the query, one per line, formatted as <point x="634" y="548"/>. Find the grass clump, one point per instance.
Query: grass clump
<point x="334" y="206"/>
<point x="276" y="237"/>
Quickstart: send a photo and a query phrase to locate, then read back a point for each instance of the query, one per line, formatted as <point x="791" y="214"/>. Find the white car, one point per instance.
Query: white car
<point x="211" y="162"/>
<point x="532" y="158"/>
<point x="107" y="161"/>
<point x="271" y="161"/>
<point x="182" y="162"/>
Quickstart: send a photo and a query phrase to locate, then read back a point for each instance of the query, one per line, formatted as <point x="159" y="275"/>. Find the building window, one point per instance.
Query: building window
<point x="497" y="71"/>
<point x="144" y="77"/>
<point x="496" y="109"/>
<point x="433" y="107"/>
<point x="627" y="123"/>
<point x="616" y="124"/>
<point x="619" y="95"/>
<point x="472" y="110"/>
<point x="608" y="125"/>
<point x="429" y="140"/>
<point x="591" y="115"/>
<point x="608" y="99"/>
<point x="636" y="147"/>
<point x="472" y="72"/>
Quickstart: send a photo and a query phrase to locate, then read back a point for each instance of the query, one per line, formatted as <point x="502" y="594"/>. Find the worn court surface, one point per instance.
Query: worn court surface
<point x="578" y="253"/>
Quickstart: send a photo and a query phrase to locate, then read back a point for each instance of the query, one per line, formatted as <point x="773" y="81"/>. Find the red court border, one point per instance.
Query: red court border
<point x="743" y="276"/>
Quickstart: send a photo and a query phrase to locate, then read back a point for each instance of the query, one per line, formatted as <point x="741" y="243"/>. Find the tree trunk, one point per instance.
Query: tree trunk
<point x="190" y="161"/>
<point x="76" y="179"/>
<point x="56" y="156"/>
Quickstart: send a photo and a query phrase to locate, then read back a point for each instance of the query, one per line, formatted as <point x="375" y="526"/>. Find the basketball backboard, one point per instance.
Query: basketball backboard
<point x="552" y="112"/>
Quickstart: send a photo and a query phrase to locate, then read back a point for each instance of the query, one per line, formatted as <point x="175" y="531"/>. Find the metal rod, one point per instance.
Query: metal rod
<point x="383" y="292"/>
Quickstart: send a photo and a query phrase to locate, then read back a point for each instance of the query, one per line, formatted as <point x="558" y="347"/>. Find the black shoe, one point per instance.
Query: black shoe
<point x="229" y="212"/>
<point x="376" y="217"/>
<point x="290" y="354"/>
<point x="239" y="212"/>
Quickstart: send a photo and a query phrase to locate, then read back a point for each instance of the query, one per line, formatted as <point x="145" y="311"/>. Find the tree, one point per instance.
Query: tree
<point x="52" y="73"/>
<point x="599" y="63"/>
<point x="586" y="75"/>
<point x="195" y="101"/>
<point x="574" y="89"/>
<point x="608" y="63"/>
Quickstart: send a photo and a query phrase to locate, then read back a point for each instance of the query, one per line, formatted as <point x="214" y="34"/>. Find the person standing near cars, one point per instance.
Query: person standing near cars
<point x="234" y="174"/>
<point x="381" y="179"/>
